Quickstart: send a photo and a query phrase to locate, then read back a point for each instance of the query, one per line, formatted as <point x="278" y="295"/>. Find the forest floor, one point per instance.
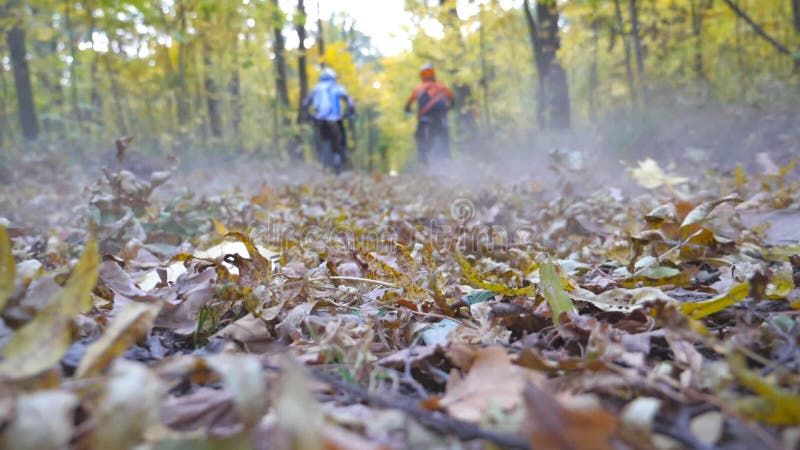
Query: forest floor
<point x="548" y="301"/>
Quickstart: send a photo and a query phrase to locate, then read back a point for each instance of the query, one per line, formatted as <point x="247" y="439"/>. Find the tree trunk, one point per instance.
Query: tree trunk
<point x="235" y="91"/>
<point x="281" y="85"/>
<point x="593" y="71"/>
<point x="22" y="79"/>
<point x="465" y="101"/>
<point x="183" y="91"/>
<point x="212" y="94"/>
<point x="4" y="129"/>
<point x="697" y="33"/>
<point x="796" y="14"/>
<point x="487" y="111"/>
<point x="627" y="47"/>
<point x="94" y="76"/>
<point x="553" y="108"/>
<point x="637" y="45"/>
<point x="320" y="33"/>
<point x="73" y="53"/>
<point x="302" y="69"/>
<point x="116" y="94"/>
<point x="279" y="47"/>
<point x="209" y="81"/>
<point x="533" y="34"/>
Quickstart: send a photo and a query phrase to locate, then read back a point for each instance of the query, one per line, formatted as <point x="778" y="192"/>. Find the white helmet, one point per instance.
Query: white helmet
<point x="328" y="74"/>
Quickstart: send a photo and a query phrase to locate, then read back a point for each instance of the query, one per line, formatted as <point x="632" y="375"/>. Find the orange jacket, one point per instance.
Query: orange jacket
<point x="430" y="94"/>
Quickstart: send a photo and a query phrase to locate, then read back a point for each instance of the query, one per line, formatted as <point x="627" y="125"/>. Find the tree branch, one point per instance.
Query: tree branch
<point x="760" y="31"/>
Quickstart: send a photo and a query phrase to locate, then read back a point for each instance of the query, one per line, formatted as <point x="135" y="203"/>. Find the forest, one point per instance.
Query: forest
<point x="226" y="77"/>
<point x="399" y="224"/>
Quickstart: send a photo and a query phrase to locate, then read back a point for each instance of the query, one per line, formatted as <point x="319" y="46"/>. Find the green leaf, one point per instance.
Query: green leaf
<point x="554" y="292"/>
<point x="40" y="344"/>
<point x="478" y="296"/>
<point x="6" y="268"/>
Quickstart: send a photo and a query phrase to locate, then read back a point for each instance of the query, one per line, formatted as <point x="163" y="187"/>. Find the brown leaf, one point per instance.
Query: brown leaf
<point x="552" y="425"/>
<point x="491" y="380"/>
<point x="122" y="144"/>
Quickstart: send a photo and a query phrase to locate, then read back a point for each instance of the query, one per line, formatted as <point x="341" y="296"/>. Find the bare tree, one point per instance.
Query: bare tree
<point x="639" y="52"/>
<point x="22" y="77"/>
<point x="302" y="64"/>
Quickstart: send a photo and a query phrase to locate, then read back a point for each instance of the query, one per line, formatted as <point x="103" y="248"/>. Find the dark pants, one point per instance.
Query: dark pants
<point x="333" y="131"/>
<point x="433" y="137"/>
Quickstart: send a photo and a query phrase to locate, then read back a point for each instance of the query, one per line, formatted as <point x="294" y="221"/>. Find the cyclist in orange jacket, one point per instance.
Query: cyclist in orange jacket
<point x="433" y="99"/>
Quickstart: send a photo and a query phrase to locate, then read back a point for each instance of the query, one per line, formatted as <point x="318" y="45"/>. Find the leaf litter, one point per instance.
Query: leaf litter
<point x="370" y="312"/>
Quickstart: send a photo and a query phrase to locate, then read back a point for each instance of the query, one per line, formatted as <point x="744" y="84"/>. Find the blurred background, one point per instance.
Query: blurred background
<point x="207" y="80"/>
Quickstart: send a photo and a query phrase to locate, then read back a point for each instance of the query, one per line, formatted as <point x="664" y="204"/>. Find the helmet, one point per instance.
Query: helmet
<point x="427" y="72"/>
<point x="328" y="74"/>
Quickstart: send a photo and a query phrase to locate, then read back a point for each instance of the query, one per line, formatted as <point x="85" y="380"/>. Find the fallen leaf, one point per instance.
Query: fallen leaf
<point x="771" y="404"/>
<point x="698" y="310"/>
<point x="128" y="406"/>
<point x="41" y="421"/>
<point x="708" y="427"/>
<point x="40" y="344"/>
<point x="132" y="323"/>
<point x="700" y="213"/>
<point x="552" y="425"/>
<point x="6" y="268"/>
<point x="492" y="380"/>
<point x="650" y="175"/>
<point x="243" y="377"/>
<point x="554" y="292"/>
<point x="638" y="416"/>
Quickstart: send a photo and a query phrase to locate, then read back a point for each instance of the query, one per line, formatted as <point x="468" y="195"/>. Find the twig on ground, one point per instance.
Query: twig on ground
<point x="435" y="420"/>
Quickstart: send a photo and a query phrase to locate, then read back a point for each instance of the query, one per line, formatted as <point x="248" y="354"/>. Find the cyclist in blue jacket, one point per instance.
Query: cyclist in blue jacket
<point x="329" y="103"/>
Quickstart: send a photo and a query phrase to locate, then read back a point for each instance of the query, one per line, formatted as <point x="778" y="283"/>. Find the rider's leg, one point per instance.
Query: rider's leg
<point x="422" y="148"/>
<point x="444" y="131"/>
<point x="316" y="125"/>
<point x="336" y="137"/>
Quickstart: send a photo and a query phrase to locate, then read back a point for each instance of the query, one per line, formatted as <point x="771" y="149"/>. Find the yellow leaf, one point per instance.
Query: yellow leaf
<point x="739" y="176"/>
<point x="262" y="267"/>
<point x="6" y="268"/>
<point x="219" y="227"/>
<point x="474" y="278"/>
<point x="40" y="344"/>
<point x="772" y="404"/>
<point x="130" y="325"/>
<point x="650" y="175"/>
<point x="698" y="310"/>
<point x="781" y="284"/>
<point x="781" y="253"/>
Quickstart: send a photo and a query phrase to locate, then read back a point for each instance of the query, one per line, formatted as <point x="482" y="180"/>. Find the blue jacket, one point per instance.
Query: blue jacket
<point x="326" y="99"/>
